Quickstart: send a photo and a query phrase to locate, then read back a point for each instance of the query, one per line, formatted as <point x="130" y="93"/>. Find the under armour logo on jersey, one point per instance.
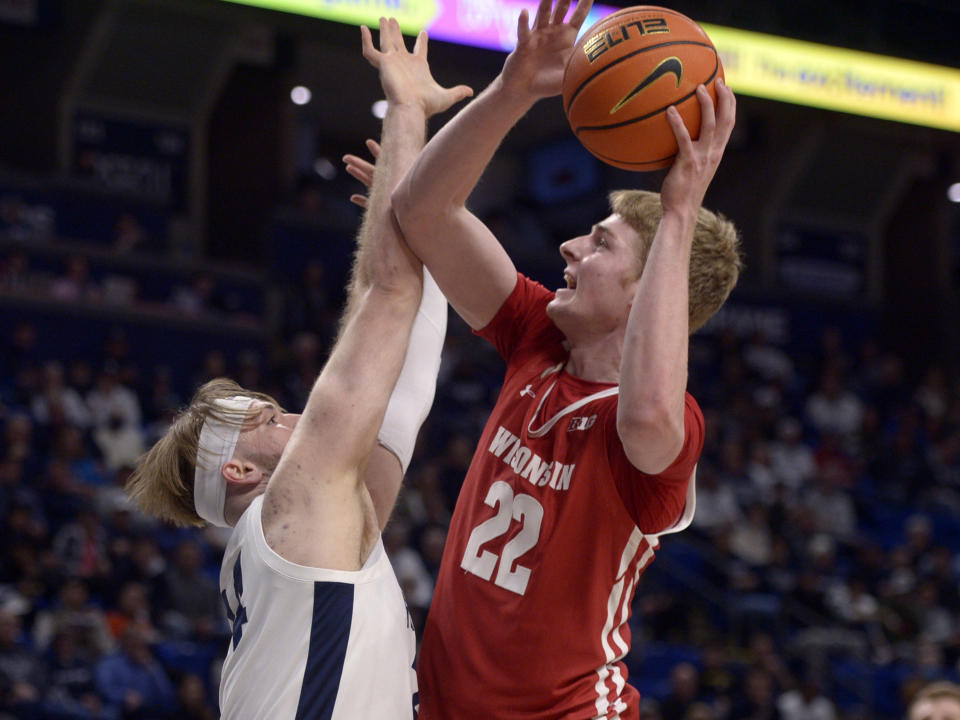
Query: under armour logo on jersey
<point x="528" y="390"/>
<point x="581" y="423"/>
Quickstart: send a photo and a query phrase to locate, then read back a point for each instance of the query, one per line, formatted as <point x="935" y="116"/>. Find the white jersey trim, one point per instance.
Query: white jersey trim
<point x="689" y="508"/>
<point x="368" y="573"/>
<point x="547" y="426"/>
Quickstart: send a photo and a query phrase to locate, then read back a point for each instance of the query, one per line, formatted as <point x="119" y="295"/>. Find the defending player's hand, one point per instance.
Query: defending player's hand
<point x="362" y="170"/>
<point x="405" y="76"/>
<point x="697" y="160"/>
<point x="535" y="67"/>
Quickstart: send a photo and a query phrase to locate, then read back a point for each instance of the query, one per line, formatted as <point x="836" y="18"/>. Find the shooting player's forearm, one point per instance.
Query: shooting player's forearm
<point x="451" y="164"/>
<point x="653" y="373"/>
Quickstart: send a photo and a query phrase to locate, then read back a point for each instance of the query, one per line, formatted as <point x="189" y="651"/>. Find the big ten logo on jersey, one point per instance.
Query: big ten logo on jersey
<point x="603" y="41"/>
<point x="581" y="423"/>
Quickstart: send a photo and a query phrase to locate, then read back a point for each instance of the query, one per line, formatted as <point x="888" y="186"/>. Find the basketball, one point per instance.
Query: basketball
<point x="623" y="74"/>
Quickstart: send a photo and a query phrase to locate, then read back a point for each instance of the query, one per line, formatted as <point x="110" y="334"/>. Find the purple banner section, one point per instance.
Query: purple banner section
<point x="489" y="23"/>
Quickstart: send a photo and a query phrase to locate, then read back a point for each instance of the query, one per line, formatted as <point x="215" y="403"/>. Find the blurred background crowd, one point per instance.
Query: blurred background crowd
<point x="819" y="578"/>
<point x="168" y="215"/>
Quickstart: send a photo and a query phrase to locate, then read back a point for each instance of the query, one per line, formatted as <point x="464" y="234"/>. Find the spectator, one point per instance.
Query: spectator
<point x="717" y="679"/>
<point x="84" y="624"/>
<point x="18" y="437"/>
<point x="111" y="402"/>
<point x="191" y="605"/>
<point x="22" y="672"/>
<point x="76" y="285"/>
<point x="432" y="541"/>
<point x="71" y="447"/>
<point x="133" y="683"/>
<point x="305" y="365"/>
<point x="144" y="565"/>
<point x="757" y="700"/>
<point x="684" y="692"/>
<point x="791" y="460"/>
<point x="415" y="581"/>
<point x="70" y="690"/>
<point x="806" y="702"/>
<point x="133" y="610"/>
<point x="197" y="298"/>
<point x="15" y="272"/>
<point x="62" y="493"/>
<point x="717" y="506"/>
<point x="766" y="359"/>
<point x="128" y="234"/>
<point x="81" y="546"/>
<point x="192" y="697"/>
<point x="750" y="539"/>
<point x="831" y="508"/>
<point x="700" y="711"/>
<point x="833" y="409"/>
<point x="56" y="403"/>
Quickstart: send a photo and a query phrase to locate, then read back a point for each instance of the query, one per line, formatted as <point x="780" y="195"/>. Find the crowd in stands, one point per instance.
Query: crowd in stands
<point x="819" y="579"/>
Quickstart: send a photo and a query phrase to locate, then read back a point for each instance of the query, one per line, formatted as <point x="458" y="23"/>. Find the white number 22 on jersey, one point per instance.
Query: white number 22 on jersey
<point x="523" y="508"/>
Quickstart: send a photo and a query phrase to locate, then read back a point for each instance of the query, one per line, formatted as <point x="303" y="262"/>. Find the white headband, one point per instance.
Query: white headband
<point x="218" y="440"/>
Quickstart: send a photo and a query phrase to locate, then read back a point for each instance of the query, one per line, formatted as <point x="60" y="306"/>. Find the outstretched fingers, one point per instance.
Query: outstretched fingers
<point x="370" y="53"/>
<point x="559" y="12"/>
<point x="708" y="115"/>
<point x="680" y="132"/>
<point x="388" y="40"/>
<point x="420" y="46"/>
<point x="523" y="28"/>
<point x="542" y="18"/>
<point x="458" y="93"/>
<point x="580" y="12"/>
<point x="726" y="110"/>
<point x="359" y="168"/>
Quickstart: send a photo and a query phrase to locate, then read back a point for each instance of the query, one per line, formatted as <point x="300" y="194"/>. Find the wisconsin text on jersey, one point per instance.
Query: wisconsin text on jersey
<point x="527" y="464"/>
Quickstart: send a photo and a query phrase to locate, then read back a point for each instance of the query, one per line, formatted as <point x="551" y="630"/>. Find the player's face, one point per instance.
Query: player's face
<point x="600" y="277"/>
<point x="944" y="708"/>
<point x="270" y="433"/>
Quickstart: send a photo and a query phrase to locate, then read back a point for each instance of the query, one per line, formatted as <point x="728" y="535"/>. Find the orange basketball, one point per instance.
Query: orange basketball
<point x="625" y="72"/>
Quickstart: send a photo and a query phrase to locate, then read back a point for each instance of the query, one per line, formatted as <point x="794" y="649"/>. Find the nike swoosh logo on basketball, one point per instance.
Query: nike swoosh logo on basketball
<point x="667" y="65"/>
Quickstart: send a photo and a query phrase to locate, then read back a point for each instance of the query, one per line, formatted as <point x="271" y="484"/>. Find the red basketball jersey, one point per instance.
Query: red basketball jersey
<point x="551" y="532"/>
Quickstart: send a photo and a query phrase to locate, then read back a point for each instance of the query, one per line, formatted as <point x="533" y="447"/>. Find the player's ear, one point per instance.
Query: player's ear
<point x="238" y="471"/>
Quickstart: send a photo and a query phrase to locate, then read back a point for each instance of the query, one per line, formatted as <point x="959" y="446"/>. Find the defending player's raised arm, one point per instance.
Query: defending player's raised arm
<point x="313" y="507"/>
<point x="653" y="372"/>
<point x="471" y="267"/>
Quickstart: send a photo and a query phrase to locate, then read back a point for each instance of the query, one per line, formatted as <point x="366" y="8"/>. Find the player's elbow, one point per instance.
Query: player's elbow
<point x="652" y="440"/>
<point x="418" y="214"/>
<point x="408" y="212"/>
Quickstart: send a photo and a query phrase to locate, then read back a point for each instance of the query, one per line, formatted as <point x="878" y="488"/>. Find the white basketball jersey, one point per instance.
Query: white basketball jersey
<point x="312" y="644"/>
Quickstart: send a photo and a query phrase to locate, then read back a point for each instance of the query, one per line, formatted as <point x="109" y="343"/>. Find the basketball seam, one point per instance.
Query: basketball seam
<point x="608" y="158"/>
<point x="637" y="52"/>
<point x="622" y="123"/>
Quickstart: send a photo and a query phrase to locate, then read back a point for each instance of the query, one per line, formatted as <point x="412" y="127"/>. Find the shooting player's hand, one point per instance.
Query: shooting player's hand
<point x="697" y="160"/>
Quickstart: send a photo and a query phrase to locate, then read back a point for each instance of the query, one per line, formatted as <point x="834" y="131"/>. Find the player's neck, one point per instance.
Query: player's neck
<point x="596" y="360"/>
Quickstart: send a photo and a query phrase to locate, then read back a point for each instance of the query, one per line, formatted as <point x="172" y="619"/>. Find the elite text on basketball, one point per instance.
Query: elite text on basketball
<point x="603" y="41"/>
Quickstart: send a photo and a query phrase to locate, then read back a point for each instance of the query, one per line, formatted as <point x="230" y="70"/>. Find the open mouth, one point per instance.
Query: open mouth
<point x="570" y="280"/>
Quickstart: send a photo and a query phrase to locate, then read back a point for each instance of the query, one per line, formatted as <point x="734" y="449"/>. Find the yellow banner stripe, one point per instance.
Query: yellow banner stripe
<point x="849" y="81"/>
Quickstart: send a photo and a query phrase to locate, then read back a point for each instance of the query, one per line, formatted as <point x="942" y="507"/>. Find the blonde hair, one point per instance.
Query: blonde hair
<point x="715" y="262"/>
<point x="936" y="691"/>
<point x="162" y="483"/>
